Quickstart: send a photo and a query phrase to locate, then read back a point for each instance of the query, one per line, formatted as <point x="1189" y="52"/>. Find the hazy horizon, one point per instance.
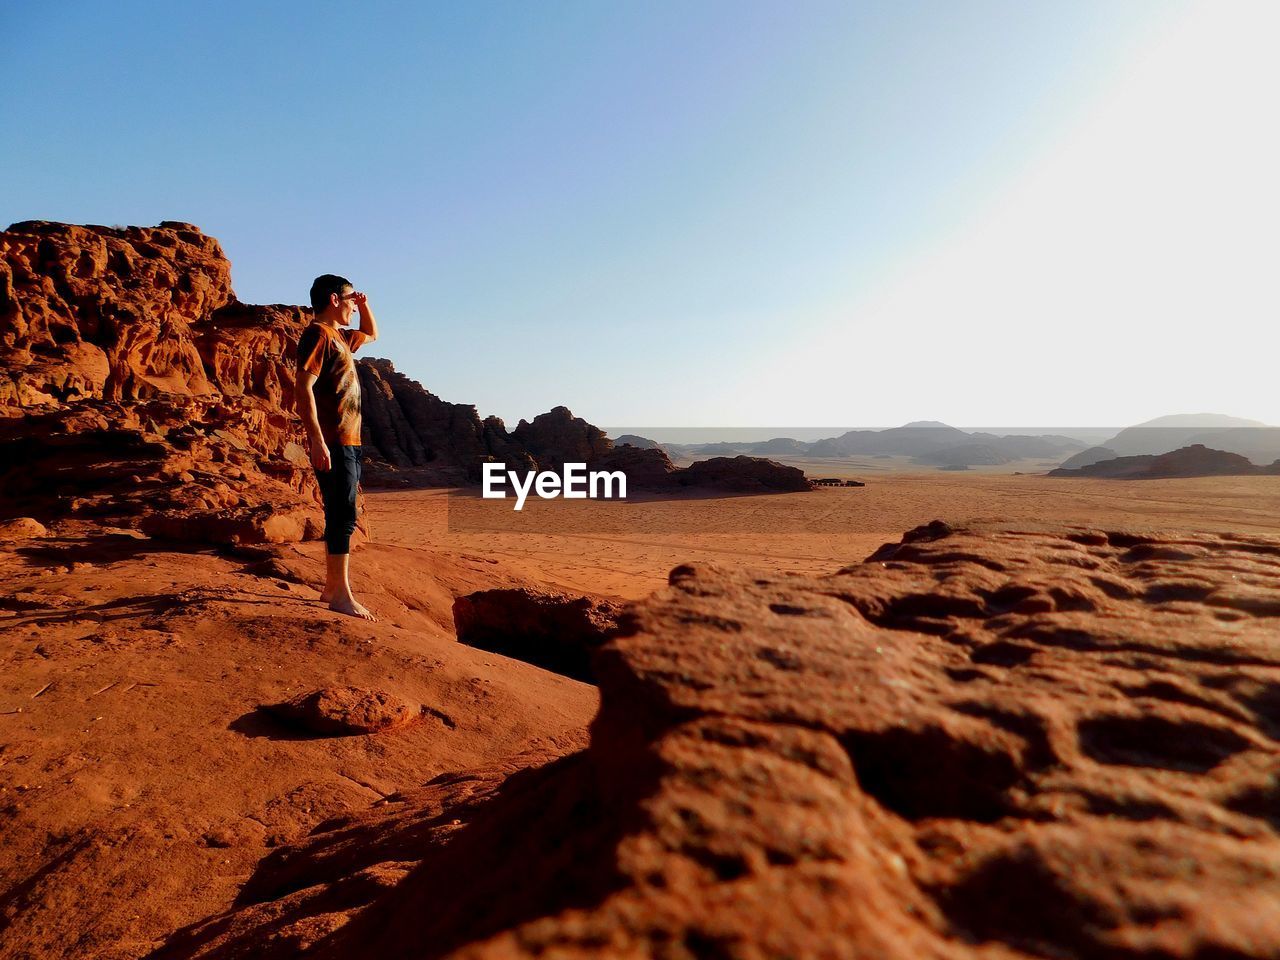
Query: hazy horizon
<point x="1090" y="435"/>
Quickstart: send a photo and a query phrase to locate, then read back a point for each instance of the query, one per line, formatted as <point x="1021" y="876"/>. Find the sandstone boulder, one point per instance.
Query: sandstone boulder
<point x="22" y="528"/>
<point x="346" y="711"/>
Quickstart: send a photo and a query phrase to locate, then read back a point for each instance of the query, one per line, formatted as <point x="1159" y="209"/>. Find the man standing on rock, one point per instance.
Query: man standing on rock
<point x="328" y="398"/>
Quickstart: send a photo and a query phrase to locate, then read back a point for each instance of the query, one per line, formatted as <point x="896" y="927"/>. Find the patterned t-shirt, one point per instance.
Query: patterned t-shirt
<point x="326" y="352"/>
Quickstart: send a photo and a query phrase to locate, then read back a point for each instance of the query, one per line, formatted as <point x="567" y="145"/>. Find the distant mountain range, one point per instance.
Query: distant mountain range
<point x="926" y="441"/>
<point x="932" y="443"/>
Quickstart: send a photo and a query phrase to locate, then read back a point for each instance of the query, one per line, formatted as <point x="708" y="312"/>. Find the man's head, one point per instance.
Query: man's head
<point x="331" y="299"/>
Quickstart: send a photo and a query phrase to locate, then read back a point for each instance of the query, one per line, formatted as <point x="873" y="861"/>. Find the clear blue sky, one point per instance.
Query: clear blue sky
<point x="648" y="212"/>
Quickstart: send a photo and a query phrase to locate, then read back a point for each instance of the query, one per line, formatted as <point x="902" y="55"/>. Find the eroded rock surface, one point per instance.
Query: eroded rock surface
<point x="979" y="742"/>
<point x="21" y="528"/>
<point x="135" y="390"/>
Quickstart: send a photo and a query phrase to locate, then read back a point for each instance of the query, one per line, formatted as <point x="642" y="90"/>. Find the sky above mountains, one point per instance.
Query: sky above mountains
<point x="727" y="214"/>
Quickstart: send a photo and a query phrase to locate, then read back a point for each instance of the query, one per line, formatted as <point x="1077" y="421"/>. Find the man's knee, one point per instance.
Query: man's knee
<point x="339" y="490"/>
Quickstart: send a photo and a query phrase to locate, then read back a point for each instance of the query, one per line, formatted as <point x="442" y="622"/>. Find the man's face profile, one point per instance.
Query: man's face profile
<point x="345" y="304"/>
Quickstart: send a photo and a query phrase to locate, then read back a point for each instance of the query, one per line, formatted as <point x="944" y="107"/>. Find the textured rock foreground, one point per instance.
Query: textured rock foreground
<point x="978" y="743"/>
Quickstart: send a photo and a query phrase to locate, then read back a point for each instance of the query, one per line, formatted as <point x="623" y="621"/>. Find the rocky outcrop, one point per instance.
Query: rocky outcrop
<point x="979" y="742"/>
<point x="414" y="437"/>
<point x="633" y="440"/>
<point x="743" y="474"/>
<point x="407" y="426"/>
<point x="21" y="528"/>
<point x="135" y="390"/>
<point x="97" y="313"/>
<point x="647" y="468"/>
<point x="411" y="436"/>
<point x="1196" y="460"/>
<point x="557" y="437"/>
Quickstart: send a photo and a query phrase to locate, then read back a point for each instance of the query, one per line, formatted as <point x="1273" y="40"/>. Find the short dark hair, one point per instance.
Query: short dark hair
<point x="324" y="286"/>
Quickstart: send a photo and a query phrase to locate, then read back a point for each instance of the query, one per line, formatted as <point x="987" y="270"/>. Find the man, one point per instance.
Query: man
<point x="328" y="399"/>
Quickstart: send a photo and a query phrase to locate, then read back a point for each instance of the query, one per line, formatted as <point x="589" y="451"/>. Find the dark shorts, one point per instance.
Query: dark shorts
<point x="338" y="487"/>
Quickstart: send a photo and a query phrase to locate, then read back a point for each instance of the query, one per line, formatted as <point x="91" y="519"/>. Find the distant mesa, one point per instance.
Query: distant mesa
<point x="933" y="443"/>
<point x="1195" y="460"/>
<point x="630" y="439"/>
<point x="1249" y="438"/>
<point x="911" y="440"/>
<point x="1172" y="432"/>
<point x="1088" y="457"/>
<point x="744" y="474"/>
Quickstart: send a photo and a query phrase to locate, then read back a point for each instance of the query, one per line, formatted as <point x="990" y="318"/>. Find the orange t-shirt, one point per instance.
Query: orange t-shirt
<point x="326" y="352"/>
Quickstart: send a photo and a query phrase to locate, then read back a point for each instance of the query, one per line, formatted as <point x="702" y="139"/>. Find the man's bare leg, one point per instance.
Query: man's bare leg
<point x="337" y="587"/>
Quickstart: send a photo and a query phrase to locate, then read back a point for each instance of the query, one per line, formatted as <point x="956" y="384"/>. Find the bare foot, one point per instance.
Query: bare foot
<point x="326" y="595"/>
<point x="351" y="607"/>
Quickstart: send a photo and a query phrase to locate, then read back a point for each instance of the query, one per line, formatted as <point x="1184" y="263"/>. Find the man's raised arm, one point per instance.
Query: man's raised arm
<point x="368" y="325"/>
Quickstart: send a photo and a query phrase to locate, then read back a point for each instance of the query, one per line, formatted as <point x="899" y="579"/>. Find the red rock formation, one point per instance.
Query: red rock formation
<point x="978" y="743"/>
<point x="92" y="312"/>
<point x="408" y="426"/>
<point x="416" y="438"/>
<point x="558" y="437"/>
<point x="743" y="474"/>
<point x="136" y="390"/>
<point x="646" y="468"/>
